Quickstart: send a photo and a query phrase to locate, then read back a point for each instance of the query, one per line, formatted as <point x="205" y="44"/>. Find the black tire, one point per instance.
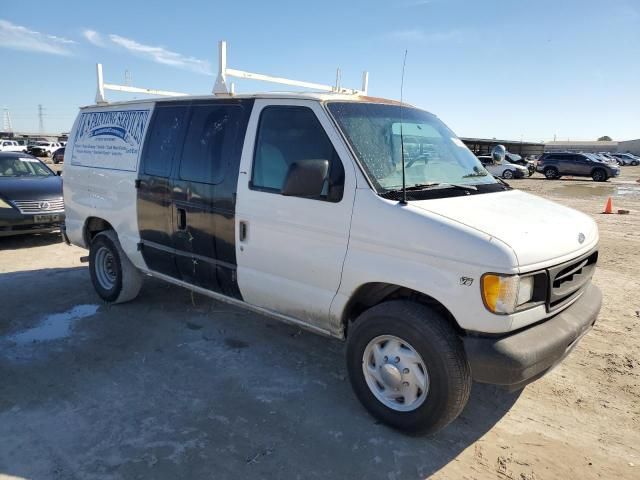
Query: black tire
<point x="431" y="336"/>
<point x="551" y="173"/>
<point x="125" y="280"/>
<point x="599" y="175"/>
<point x="508" y="174"/>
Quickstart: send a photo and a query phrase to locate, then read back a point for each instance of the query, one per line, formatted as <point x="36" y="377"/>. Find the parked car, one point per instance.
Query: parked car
<point x="306" y="208"/>
<point x="30" y="196"/>
<point x="11" y="146"/>
<point x="503" y="169"/>
<point x="43" y="149"/>
<point x="609" y="158"/>
<point x="518" y="160"/>
<point x="58" y="156"/>
<point x="556" y="164"/>
<point x="626" y="158"/>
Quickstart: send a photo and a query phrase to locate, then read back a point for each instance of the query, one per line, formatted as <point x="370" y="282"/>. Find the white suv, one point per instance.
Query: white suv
<point x="293" y="206"/>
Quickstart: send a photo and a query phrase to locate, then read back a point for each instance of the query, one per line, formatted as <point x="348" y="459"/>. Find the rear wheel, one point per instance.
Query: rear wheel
<point x="113" y="275"/>
<point x="507" y="174"/>
<point x="551" y="173"/>
<point x="599" y="175"/>
<point x="407" y="366"/>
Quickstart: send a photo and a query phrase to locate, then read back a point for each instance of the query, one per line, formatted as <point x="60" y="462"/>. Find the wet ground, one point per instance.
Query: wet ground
<point x="175" y="385"/>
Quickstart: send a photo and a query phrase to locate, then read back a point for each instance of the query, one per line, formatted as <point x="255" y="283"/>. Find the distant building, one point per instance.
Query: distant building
<point x="581" y="146"/>
<point x="631" y="146"/>
<point x="483" y="146"/>
<point x="24" y="137"/>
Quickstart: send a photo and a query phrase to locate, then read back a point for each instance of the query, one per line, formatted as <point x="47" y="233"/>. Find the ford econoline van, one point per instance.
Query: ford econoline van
<point x="293" y="205"/>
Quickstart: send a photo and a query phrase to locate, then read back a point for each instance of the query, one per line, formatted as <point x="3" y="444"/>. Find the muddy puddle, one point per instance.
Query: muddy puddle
<point x="592" y="189"/>
<point x="54" y="326"/>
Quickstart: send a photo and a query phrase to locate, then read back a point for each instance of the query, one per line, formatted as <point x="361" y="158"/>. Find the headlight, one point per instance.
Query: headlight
<point x="502" y="294"/>
<point x="4" y="204"/>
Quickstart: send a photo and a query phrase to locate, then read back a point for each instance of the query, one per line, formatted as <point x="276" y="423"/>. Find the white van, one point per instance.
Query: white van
<point x="292" y="205"/>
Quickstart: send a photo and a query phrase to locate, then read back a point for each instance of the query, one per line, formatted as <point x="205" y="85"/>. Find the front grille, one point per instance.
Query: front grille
<point x="30" y="207"/>
<point x="567" y="279"/>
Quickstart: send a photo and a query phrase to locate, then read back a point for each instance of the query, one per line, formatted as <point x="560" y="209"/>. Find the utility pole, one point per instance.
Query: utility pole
<point x="6" y="121"/>
<point x="40" y="120"/>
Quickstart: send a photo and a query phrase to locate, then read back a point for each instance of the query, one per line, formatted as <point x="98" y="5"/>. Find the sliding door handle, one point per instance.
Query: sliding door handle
<point x="182" y="219"/>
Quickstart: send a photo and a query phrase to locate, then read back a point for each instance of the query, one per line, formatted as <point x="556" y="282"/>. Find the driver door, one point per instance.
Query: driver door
<point x="290" y="249"/>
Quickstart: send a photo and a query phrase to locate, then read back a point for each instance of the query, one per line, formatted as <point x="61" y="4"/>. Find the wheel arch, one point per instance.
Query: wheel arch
<point x="374" y="293"/>
<point x="93" y="226"/>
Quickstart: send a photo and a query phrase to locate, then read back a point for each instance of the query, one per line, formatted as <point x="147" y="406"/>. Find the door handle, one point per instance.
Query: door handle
<point x="243" y="230"/>
<point x="182" y="219"/>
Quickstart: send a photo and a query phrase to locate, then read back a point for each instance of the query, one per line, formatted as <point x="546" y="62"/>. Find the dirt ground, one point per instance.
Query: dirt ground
<point x="175" y="385"/>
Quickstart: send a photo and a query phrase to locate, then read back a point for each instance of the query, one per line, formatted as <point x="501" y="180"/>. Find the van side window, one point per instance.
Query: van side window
<point x="210" y="141"/>
<point x="287" y="135"/>
<point x="162" y="141"/>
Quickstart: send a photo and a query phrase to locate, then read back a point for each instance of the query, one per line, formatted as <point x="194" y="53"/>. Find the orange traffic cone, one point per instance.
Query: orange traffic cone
<point x="608" y="207"/>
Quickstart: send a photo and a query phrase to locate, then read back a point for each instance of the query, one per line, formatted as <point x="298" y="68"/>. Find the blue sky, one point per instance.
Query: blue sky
<point x="489" y="68"/>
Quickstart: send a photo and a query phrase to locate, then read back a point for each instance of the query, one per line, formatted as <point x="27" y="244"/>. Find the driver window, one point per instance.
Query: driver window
<point x="287" y="135"/>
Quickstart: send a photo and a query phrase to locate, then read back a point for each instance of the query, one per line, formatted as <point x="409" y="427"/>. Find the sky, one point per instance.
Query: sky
<point x="508" y="69"/>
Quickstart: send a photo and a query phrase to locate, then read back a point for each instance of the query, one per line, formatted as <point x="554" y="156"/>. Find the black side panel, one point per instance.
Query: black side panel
<point x="204" y="192"/>
<point x="155" y="206"/>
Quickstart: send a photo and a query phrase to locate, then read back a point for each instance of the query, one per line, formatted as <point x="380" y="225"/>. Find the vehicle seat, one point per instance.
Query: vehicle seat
<point x="271" y="167"/>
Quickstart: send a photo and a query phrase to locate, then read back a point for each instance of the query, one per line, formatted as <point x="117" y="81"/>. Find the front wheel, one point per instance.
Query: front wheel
<point x="407" y="366"/>
<point x="114" y="277"/>
<point x="599" y="175"/>
<point x="507" y="174"/>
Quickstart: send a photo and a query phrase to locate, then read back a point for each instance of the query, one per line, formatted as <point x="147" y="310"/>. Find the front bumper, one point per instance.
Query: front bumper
<point x="18" y="224"/>
<point x="517" y="359"/>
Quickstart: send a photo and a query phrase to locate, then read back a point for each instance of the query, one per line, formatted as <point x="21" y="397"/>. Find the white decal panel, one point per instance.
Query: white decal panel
<point x="110" y="139"/>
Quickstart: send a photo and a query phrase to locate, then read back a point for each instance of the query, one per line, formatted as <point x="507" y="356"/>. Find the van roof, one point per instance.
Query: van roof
<point x="316" y="96"/>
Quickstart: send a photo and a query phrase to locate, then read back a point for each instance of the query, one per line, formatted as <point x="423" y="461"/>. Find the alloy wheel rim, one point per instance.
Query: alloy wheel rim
<point x="395" y="373"/>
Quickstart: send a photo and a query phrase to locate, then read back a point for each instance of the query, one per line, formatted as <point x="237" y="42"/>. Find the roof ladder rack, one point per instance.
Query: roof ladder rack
<point x="100" y="98"/>
<point x="221" y="87"/>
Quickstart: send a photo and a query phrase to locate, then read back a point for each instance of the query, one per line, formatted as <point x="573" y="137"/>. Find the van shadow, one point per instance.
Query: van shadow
<point x="199" y="387"/>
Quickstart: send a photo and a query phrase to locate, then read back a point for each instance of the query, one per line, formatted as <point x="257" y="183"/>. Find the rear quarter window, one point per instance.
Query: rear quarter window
<point x="164" y="140"/>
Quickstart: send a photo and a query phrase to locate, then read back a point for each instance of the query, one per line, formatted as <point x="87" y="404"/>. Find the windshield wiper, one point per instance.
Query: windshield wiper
<point x="434" y="186"/>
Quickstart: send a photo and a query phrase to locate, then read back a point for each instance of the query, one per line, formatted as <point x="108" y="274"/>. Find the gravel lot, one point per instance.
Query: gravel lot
<point x="175" y="385"/>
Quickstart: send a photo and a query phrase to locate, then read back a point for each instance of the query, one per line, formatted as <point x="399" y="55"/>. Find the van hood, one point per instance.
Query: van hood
<point x="540" y="232"/>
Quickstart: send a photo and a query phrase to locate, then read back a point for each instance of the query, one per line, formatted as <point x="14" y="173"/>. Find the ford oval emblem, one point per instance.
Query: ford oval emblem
<point x="581" y="237"/>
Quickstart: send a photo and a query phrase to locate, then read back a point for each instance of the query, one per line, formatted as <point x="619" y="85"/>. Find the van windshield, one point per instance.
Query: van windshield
<point x="432" y="153"/>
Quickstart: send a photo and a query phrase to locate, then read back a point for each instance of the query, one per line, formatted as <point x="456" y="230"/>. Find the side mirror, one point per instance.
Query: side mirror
<point x="305" y="178"/>
<point x="59" y="173"/>
<point x="498" y="153"/>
